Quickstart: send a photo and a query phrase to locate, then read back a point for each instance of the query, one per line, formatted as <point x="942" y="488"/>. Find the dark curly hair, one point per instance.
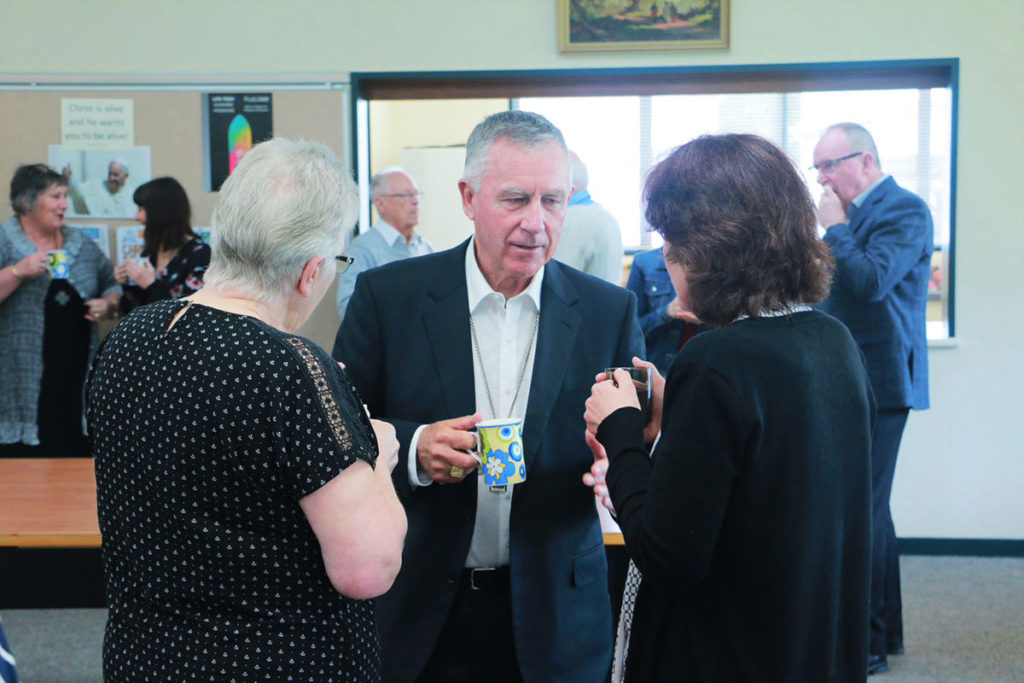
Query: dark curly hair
<point x="737" y="216"/>
<point x="168" y="214"/>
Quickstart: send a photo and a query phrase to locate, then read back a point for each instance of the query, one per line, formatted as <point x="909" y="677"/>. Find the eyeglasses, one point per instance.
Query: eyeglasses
<point x="403" y="195"/>
<point x="829" y="165"/>
<point x="344" y="262"/>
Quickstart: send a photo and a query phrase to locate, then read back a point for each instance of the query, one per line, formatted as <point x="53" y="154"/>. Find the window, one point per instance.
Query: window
<point x="620" y="121"/>
<point x="620" y="138"/>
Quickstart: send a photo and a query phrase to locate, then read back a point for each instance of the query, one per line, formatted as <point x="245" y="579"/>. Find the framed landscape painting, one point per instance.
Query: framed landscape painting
<point x="587" y="25"/>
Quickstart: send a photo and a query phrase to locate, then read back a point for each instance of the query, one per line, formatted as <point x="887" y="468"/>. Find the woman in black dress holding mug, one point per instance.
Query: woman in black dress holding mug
<point x="173" y="258"/>
<point x="749" y="522"/>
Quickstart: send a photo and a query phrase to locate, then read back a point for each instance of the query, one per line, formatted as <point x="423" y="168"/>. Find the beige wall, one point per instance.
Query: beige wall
<point x="962" y="466"/>
<point x="398" y="124"/>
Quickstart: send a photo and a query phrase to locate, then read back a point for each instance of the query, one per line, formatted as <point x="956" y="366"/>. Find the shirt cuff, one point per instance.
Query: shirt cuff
<point x="416" y="480"/>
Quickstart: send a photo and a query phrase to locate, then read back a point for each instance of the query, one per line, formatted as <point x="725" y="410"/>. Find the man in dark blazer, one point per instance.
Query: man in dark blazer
<point x="495" y="584"/>
<point x="881" y="238"/>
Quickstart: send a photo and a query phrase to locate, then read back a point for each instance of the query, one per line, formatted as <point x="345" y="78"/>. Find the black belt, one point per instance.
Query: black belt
<point x="485" y="579"/>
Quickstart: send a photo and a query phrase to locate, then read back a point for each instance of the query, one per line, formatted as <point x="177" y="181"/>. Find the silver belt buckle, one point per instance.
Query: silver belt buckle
<point x="472" y="577"/>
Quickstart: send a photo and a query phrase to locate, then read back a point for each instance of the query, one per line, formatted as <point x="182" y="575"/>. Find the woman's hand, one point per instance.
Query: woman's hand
<point x="97" y="309"/>
<point x="32" y="266"/>
<point x="142" y="273"/>
<point x="120" y="274"/>
<point x="657" y="399"/>
<point x="606" y="398"/>
<point x="387" y="444"/>
<point x="679" y="312"/>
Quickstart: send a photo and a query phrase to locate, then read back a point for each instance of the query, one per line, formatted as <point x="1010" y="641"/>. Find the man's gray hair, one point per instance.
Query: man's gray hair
<point x="859" y="137"/>
<point x="287" y="202"/>
<point x="378" y="181"/>
<point x="120" y="161"/>
<point x="522" y="128"/>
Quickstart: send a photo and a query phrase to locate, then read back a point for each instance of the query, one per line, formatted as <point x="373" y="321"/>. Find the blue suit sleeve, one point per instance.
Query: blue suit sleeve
<point x="650" y="317"/>
<point x="360" y="345"/>
<point x="872" y="267"/>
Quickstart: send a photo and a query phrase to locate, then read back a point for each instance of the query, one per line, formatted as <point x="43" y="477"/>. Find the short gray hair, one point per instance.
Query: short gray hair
<point x="859" y="137"/>
<point x="522" y="128"/>
<point x="287" y="202"/>
<point x="377" y="182"/>
<point x="120" y="161"/>
<point x="30" y="181"/>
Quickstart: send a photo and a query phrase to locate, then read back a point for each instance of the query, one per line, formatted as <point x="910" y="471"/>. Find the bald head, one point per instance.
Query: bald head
<point x="396" y="197"/>
<point x="847" y="161"/>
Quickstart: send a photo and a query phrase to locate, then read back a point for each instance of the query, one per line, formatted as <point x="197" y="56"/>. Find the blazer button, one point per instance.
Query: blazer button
<point x="451" y="578"/>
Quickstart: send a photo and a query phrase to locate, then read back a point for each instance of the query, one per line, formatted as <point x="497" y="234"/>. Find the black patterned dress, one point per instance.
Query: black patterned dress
<point x="182" y="276"/>
<point x="206" y="435"/>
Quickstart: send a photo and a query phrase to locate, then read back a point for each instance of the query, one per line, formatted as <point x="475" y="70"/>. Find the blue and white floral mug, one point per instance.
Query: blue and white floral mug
<point x="57" y="264"/>
<point x="499" y="446"/>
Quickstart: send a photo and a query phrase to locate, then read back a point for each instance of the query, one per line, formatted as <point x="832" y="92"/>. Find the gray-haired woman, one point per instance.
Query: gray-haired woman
<point x="245" y="497"/>
<point x="47" y="318"/>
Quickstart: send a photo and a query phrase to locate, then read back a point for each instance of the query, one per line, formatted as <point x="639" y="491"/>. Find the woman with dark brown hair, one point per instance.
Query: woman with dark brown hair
<point x="749" y="522"/>
<point x="173" y="259"/>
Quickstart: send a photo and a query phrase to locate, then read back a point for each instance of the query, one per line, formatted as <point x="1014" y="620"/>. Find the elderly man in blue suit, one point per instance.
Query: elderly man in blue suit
<point x="881" y="238"/>
<point x="504" y="584"/>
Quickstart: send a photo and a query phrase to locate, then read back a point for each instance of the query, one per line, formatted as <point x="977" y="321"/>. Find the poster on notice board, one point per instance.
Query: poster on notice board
<point x="232" y="124"/>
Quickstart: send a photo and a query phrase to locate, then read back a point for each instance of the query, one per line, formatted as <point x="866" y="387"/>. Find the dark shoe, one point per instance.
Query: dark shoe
<point x="895" y="648"/>
<point x="877" y="664"/>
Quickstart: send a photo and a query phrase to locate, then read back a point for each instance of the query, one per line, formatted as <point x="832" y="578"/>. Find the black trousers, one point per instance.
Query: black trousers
<point x="886" y="600"/>
<point x="65" y="356"/>
<point x="476" y="643"/>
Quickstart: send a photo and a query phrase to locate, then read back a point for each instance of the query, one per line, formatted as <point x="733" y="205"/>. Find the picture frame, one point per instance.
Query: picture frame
<point x="600" y="25"/>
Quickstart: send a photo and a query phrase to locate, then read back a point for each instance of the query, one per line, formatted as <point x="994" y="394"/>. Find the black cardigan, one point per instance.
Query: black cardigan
<point x="751" y="521"/>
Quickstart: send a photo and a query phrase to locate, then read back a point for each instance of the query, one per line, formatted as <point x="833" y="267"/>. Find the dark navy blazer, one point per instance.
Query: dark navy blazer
<point x="883" y="262"/>
<point x="406" y="344"/>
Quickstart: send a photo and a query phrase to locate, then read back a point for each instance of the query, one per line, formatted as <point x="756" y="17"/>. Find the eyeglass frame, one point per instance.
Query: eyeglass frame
<point x="403" y="195"/>
<point x="345" y="260"/>
<point x="829" y="165"/>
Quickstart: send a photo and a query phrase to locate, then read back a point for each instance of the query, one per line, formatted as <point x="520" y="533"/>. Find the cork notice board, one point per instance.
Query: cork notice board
<point x="170" y="123"/>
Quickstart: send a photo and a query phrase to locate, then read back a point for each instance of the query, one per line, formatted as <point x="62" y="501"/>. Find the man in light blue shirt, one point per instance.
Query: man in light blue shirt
<point x="393" y="238"/>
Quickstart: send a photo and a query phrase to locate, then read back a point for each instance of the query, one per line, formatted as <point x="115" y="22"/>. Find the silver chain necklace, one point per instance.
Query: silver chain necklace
<point x="522" y="373"/>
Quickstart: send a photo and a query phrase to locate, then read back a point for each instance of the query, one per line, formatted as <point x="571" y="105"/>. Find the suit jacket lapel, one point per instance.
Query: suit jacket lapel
<point x="556" y="338"/>
<point x="446" y="318"/>
<point x="867" y="208"/>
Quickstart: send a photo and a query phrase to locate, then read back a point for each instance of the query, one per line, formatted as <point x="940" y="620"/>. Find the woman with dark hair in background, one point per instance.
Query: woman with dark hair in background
<point x="175" y="259"/>
<point x="47" y="318"/>
<point x="750" y="521"/>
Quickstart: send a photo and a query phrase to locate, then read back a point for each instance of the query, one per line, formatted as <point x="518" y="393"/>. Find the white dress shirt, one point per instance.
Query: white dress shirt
<point x="505" y="332"/>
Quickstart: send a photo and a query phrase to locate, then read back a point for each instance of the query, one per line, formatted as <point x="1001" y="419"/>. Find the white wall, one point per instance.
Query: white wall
<point x="961" y="471"/>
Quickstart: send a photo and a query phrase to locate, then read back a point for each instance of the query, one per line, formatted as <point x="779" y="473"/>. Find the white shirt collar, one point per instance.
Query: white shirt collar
<point x="790" y="310"/>
<point x="859" y="199"/>
<point x="391" y="234"/>
<point x="478" y="288"/>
